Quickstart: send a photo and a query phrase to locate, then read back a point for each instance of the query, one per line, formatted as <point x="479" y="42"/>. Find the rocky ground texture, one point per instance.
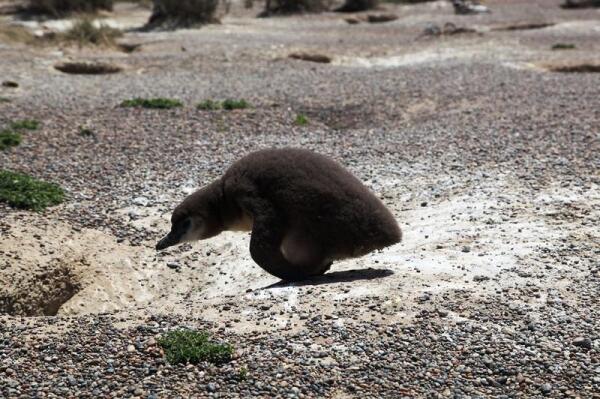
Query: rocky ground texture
<point x="488" y="156"/>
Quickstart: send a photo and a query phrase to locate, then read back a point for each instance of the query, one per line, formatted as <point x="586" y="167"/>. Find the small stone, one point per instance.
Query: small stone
<point x="546" y="388"/>
<point x="211" y="387"/>
<point x="583" y="342"/>
<point x="442" y="312"/>
<point x="173" y="265"/>
<point x="424" y="204"/>
<point x="130" y="348"/>
<point x="478" y="279"/>
<point x="141" y="201"/>
<point x="466" y="249"/>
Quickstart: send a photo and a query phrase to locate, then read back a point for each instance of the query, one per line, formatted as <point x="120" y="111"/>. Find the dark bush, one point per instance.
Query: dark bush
<point x="58" y="8"/>
<point x="358" y="5"/>
<point x="282" y="7"/>
<point x="172" y="14"/>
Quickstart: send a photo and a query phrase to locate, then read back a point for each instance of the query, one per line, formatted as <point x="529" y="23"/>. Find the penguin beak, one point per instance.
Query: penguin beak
<point x="168" y="241"/>
<point x="178" y="231"/>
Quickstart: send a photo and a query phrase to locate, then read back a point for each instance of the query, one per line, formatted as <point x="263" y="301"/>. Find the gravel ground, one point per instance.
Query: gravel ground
<point x="488" y="159"/>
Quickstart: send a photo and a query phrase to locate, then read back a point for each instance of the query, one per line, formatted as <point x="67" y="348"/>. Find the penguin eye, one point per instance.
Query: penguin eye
<point x="181" y="226"/>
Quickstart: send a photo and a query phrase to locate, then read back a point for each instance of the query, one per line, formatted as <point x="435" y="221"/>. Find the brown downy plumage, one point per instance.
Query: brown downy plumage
<point x="304" y="211"/>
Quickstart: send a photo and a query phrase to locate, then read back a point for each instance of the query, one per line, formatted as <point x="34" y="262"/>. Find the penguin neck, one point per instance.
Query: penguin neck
<point x="231" y="215"/>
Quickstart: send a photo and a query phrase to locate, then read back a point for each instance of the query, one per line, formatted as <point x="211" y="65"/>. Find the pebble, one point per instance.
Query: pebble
<point x="141" y="201"/>
<point x="546" y="388"/>
<point x="583" y="342"/>
<point x="173" y="265"/>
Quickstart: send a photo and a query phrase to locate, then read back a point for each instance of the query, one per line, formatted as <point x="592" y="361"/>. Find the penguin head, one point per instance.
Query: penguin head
<point x="196" y="218"/>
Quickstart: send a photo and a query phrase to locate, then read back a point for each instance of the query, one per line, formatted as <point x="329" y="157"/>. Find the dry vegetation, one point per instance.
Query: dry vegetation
<point x="61" y="7"/>
<point x="170" y="14"/>
<point x="283" y="7"/>
<point x="86" y="32"/>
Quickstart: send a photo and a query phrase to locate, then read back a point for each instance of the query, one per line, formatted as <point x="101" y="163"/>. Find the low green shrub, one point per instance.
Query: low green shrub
<point x="301" y="120"/>
<point x="231" y="104"/>
<point x="563" y="46"/>
<point x="25" y="192"/>
<point x="8" y="139"/>
<point x="25" y="124"/>
<point x="188" y="346"/>
<point x="209" y="105"/>
<point x="155" y="103"/>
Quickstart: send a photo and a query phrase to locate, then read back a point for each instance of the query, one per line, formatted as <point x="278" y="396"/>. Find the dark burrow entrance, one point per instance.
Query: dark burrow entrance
<point x="40" y="295"/>
<point x="575" y="68"/>
<point x="87" y="68"/>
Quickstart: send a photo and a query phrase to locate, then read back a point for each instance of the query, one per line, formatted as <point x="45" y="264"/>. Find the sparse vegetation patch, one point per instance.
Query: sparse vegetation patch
<point x="57" y="8"/>
<point x="301" y="120"/>
<point x="86" y="132"/>
<point x="25" y="124"/>
<point x="563" y="46"/>
<point x="209" y="105"/>
<point x="172" y="14"/>
<point x="16" y="33"/>
<point x="153" y="103"/>
<point x="9" y="139"/>
<point x="231" y="104"/>
<point x="85" y="32"/>
<point x="25" y="192"/>
<point x="188" y="346"/>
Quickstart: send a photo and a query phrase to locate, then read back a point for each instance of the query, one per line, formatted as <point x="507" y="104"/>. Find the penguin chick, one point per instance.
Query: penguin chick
<point x="304" y="210"/>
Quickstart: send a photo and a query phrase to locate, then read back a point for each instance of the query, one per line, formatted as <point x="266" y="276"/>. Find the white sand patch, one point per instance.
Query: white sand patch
<point x="476" y="242"/>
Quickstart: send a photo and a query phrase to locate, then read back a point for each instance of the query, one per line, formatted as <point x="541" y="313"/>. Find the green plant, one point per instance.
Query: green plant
<point x="243" y="374"/>
<point x="563" y="46"/>
<point x="25" y="192"/>
<point x="209" y="105"/>
<point x="231" y="104"/>
<point x="188" y="346"/>
<point x="301" y="120"/>
<point x="156" y="103"/>
<point x="86" y="132"/>
<point x="28" y="124"/>
<point x="8" y="139"/>
<point x="85" y="32"/>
